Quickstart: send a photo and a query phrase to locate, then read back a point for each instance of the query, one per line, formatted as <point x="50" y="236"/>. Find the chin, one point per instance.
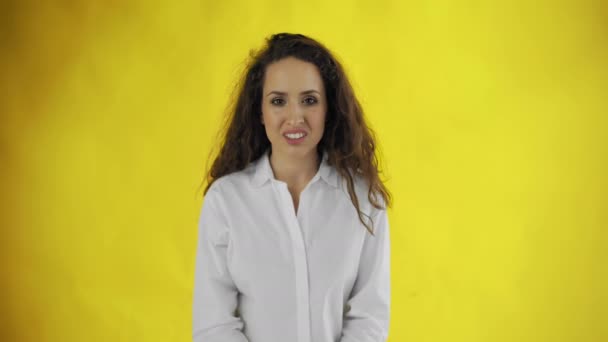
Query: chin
<point x="295" y="150"/>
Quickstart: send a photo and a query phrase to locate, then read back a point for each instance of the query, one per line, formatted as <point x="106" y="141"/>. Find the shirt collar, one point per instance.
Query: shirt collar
<point x="262" y="171"/>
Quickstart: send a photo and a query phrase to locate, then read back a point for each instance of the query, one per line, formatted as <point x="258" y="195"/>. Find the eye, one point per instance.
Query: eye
<point x="310" y="100"/>
<point x="274" y="101"/>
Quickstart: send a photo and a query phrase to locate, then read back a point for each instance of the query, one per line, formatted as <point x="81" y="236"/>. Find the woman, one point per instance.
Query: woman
<point x="293" y="233"/>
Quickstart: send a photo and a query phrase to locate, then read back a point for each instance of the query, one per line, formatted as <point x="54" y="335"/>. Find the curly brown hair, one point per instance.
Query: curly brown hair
<point x="349" y="142"/>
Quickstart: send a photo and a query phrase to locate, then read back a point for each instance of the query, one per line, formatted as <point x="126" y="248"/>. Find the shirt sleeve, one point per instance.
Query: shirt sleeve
<point x="367" y="313"/>
<point x="214" y="294"/>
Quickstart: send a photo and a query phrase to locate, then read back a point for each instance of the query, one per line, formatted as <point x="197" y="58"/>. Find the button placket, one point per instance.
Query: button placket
<point x="299" y="258"/>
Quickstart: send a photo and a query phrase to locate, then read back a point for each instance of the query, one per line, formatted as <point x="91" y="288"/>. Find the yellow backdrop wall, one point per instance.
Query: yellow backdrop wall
<point x="491" y="116"/>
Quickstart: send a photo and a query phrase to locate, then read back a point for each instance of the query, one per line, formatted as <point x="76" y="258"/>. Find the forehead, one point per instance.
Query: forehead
<point x="292" y="74"/>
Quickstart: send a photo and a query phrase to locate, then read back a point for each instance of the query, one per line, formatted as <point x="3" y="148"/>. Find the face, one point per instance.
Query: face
<point x="293" y="107"/>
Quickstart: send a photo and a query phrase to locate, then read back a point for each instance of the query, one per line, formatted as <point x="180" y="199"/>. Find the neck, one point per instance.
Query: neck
<point x="296" y="171"/>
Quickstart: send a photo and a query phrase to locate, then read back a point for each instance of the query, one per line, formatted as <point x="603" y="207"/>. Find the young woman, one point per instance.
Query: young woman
<point x="293" y="239"/>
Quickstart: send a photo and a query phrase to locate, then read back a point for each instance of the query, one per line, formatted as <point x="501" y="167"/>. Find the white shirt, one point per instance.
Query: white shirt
<point x="265" y="274"/>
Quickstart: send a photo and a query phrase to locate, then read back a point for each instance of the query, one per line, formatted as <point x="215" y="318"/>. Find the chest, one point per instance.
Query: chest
<point x="269" y="237"/>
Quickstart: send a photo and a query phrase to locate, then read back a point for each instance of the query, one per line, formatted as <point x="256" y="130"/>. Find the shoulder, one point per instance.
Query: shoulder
<point x="221" y="197"/>
<point x="231" y="186"/>
<point x="361" y="187"/>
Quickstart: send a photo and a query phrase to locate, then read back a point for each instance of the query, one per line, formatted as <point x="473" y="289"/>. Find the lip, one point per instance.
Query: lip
<point x="298" y="130"/>
<point x="295" y="141"/>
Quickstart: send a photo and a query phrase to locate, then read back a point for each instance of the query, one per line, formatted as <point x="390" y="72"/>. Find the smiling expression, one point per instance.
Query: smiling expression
<point x="293" y="106"/>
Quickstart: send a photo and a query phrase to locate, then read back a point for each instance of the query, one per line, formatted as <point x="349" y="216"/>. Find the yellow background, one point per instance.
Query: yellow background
<point x="492" y="119"/>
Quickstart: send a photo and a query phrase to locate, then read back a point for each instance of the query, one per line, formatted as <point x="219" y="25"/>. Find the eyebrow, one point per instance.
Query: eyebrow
<point x="302" y="93"/>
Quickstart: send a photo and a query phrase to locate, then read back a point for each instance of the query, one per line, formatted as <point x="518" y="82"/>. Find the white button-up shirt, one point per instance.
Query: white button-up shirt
<point x="265" y="274"/>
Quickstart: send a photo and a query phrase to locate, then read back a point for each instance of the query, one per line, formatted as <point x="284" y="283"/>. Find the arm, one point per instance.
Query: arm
<point x="366" y="318"/>
<point x="215" y="294"/>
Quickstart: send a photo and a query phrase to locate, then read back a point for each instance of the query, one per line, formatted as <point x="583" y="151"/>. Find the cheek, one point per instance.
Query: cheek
<point x="272" y="123"/>
<point x="317" y="119"/>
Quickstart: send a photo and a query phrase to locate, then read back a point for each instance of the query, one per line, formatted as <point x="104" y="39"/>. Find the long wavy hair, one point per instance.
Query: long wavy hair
<point x="349" y="142"/>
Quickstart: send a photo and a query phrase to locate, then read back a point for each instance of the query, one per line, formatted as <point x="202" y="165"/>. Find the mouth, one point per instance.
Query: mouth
<point x="295" y="137"/>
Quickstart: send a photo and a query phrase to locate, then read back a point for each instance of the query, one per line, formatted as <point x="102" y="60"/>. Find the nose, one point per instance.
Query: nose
<point x="295" y="114"/>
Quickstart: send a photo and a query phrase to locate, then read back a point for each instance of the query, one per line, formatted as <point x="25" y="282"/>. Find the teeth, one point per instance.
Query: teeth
<point x="294" y="135"/>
